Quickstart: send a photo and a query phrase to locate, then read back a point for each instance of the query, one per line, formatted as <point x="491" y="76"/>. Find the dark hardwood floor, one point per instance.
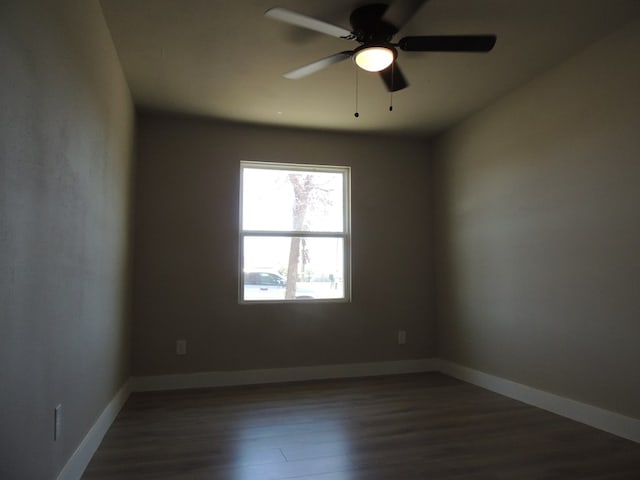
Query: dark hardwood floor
<point x="422" y="426"/>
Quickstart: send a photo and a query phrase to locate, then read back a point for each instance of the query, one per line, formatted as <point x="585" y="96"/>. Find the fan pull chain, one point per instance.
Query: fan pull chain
<point x="393" y="64"/>
<point x="356" y="114"/>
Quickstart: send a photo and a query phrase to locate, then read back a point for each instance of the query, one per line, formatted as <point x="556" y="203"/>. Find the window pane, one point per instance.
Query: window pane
<point x="286" y="268"/>
<point x="289" y="200"/>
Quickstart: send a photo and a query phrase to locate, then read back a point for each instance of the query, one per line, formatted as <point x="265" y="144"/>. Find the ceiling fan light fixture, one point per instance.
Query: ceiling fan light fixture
<point x="374" y="58"/>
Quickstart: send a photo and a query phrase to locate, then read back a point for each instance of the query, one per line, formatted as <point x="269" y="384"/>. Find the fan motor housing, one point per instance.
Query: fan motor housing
<point x="368" y="25"/>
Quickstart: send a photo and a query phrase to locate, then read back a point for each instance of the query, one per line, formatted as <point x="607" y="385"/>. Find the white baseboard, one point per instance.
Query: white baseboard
<point x="620" y="425"/>
<point x="78" y="462"/>
<point x="277" y="375"/>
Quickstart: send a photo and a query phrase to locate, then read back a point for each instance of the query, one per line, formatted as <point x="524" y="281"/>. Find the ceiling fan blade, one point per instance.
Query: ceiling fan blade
<point x="294" y="18"/>
<point x="393" y="78"/>
<point x="448" y="43"/>
<point x="401" y="11"/>
<point x="317" y="65"/>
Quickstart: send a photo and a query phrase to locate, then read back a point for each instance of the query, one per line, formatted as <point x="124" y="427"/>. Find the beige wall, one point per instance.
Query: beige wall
<point x="186" y="252"/>
<point x="539" y="231"/>
<point x="65" y="136"/>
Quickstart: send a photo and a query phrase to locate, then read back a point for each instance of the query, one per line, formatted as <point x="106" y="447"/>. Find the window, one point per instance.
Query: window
<point x="294" y="233"/>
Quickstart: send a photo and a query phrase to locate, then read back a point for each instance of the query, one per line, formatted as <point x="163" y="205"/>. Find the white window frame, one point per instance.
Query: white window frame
<point x="345" y="234"/>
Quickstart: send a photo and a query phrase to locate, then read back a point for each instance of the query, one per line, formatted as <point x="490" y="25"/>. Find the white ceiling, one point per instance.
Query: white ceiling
<point x="223" y="59"/>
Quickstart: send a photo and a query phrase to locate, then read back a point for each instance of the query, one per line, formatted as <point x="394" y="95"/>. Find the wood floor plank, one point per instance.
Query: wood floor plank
<point x="419" y="426"/>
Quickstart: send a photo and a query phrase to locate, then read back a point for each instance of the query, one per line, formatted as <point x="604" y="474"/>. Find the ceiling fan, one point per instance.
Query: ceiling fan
<point x="374" y="26"/>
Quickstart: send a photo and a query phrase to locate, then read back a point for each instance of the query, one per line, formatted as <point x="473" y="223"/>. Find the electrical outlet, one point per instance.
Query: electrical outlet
<point x="57" y="422"/>
<point x="181" y="347"/>
<point x="402" y="337"/>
